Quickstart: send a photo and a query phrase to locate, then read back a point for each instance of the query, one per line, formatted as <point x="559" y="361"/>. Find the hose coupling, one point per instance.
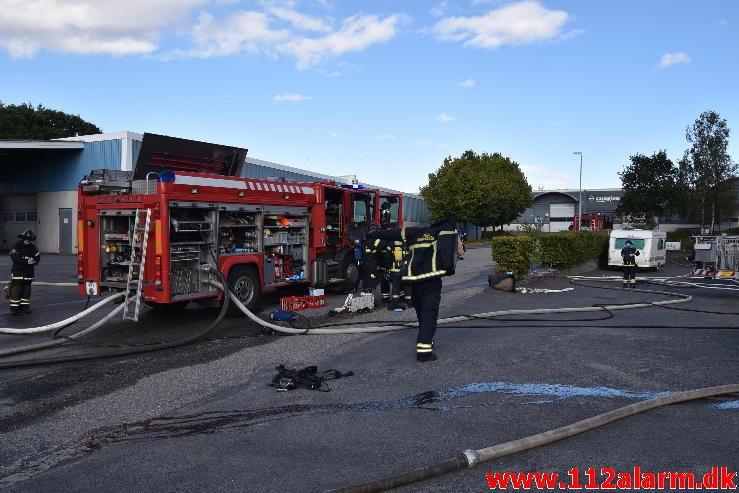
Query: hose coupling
<point x="472" y="458"/>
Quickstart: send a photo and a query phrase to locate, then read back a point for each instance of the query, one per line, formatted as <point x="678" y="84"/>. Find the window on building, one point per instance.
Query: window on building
<point x="31" y="216"/>
<point x="20" y="217"/>
<point x="660" y="244"/>
<point x="8" y="217"/>
<point x="638" y="242"/>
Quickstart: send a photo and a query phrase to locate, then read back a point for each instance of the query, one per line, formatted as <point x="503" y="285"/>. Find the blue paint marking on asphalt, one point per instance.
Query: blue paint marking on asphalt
<point x="726" y="405"/>
<point x="554" y="390"/>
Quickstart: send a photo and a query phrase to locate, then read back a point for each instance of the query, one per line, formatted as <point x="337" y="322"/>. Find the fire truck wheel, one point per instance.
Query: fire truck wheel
<point x="350" y="272"/>
<point x="244" y="282"/>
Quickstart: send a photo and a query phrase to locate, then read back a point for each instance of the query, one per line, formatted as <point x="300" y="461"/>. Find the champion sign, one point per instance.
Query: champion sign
<point x="604" y="198"/>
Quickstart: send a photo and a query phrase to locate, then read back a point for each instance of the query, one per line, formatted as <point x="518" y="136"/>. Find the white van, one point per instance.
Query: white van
<point x="651" y="246"/>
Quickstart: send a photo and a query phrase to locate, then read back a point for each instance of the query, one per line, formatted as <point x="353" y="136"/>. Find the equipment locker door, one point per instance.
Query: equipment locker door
<point x="65" y="231"/>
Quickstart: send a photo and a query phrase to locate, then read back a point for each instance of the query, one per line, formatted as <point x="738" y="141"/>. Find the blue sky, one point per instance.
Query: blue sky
<point x="386" y="89"/>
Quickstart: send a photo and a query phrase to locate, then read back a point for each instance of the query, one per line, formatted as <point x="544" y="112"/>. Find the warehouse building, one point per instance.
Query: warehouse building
<point x="558" y="208"/>
<point x="38" y="188"/>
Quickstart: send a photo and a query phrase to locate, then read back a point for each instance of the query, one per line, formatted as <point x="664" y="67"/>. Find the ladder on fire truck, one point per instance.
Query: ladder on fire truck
<point x="135" y="279"/>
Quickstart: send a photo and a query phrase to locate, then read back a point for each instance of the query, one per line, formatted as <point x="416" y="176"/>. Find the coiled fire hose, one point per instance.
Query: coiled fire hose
<point x="470" y="458"/>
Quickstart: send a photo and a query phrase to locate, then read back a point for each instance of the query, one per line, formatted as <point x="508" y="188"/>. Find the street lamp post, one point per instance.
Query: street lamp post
<point x="579" y="202"/>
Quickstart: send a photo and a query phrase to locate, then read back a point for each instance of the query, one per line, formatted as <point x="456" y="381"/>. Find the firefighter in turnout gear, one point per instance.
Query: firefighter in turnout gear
<point x="629" y="254"/>
<point x="384" y="266"/>
<point x="400" y="292"/>
<point x="433" y="255"/>
<point x="372" y="250"/>
<point x="24" y="256"/>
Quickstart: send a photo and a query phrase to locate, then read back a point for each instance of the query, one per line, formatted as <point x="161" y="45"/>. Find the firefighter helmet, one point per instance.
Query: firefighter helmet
<point x="28" y="234"/>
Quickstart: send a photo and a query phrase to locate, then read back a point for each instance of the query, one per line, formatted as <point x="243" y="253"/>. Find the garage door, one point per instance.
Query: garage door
<point x="560" y="216"/>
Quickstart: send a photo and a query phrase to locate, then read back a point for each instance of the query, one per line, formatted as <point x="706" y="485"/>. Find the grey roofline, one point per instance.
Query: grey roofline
<point x="40" y="145"/>
<point x="577" y="190"/>
<point x="321" y="176"/>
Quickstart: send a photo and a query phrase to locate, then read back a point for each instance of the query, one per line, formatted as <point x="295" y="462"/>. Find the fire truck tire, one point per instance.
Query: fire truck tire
<point x="244" y="282"/>
<point x="350" y="272"/>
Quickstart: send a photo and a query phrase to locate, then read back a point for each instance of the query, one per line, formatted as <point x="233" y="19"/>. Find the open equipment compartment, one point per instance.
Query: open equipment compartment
<point x="285" y="237"/>
<point x="116" y="228"/>
<point x="192" y="236"/>
<point x="239" y="230"/>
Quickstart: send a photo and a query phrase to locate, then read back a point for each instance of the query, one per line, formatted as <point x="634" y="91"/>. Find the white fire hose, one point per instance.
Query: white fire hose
<point x="74" y="318"/>
<point x="461" y="318"/>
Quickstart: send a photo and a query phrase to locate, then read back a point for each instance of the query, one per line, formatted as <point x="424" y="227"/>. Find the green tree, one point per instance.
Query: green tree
<point x="482" y="189"/>
<point x="706" y="167"/>
<point x="650" y="185"/>
<point x="23" y="121"/>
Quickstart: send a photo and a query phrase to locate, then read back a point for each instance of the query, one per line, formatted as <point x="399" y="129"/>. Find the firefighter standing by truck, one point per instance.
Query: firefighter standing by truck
<point x="433" y="256"/>
<point x="25" y="256"/>
<point x="372" y="252"/>
<point x="629" y="254"/>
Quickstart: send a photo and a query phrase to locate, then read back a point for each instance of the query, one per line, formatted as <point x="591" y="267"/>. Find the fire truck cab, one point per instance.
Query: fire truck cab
<point x="185" y="212"/>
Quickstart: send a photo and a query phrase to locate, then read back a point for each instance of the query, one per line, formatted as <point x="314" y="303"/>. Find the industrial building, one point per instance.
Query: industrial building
<point x="38" y="188"/>
<point x="557" y="208"/>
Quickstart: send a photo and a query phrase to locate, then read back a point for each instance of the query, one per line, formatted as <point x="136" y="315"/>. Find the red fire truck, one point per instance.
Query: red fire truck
<point x="160" y="232"/>
<point x="592" y="222"/>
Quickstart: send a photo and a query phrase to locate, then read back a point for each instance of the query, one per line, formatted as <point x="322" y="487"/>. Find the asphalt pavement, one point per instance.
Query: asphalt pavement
<point x="202" y="417"/>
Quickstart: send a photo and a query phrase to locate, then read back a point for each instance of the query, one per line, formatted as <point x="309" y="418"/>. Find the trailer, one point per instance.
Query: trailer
<point x="161" y="232"/>
<point x="715" y="256"/>
<point x="650" y="244"/>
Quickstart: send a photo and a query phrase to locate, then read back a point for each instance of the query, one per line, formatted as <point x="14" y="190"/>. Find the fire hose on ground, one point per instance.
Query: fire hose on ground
<point x="470" y="458"/>
<point x="683" y="298"/>
<point x="62" y="323"/>
<point x="466" y="459"/>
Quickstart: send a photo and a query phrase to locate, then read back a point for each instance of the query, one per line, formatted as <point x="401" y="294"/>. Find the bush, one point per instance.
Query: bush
<point x="561" y="250"/>
<point x="568" y="248"/>
<point x="513" y="253"/>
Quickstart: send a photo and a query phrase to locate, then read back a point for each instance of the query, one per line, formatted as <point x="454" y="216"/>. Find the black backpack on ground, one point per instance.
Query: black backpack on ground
<point x="291" y="378"/>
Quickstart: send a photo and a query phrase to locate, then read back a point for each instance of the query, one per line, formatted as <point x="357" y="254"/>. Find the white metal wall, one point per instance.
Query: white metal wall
<point x="47" y="231"/>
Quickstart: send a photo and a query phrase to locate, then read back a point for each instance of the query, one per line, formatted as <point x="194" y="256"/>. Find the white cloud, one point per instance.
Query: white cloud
<point x="444" y="118"/>
<point x="515" y="24"/>
<point x="243" y="31"/>
<point x="258" y="32"/>
<point x="87" y="26"/>
<point x="295" y="98"/>
<point x="272" y="28"/>
<point x="439" y="9"/>
<point x="356" y="34"/>
<point x="674" y="58"/>
<point x="333" y="135"/>
<point x="300" y="21"/>
<point x="382" y="137"/>
<point x="467" y="84"/>
<point x="424" y="143"/>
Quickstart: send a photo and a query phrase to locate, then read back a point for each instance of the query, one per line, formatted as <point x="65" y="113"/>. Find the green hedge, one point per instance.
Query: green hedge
<point x="562" y="250"/>
<point x="568" y="248"/>
<point x="513" y="253"/>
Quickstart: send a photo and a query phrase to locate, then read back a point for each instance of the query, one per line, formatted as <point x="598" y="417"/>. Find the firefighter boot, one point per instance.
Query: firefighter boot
<point x="426" y="357"/>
